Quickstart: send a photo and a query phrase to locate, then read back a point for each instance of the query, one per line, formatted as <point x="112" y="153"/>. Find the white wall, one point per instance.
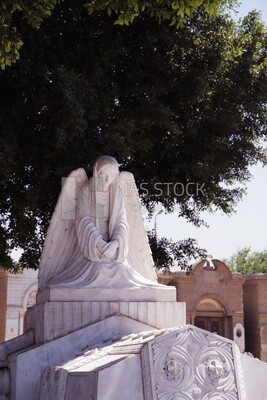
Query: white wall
<point x="21" y="293"/>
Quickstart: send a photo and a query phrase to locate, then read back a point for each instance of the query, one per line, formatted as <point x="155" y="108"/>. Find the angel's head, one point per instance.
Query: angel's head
<point x="106" y="168"/>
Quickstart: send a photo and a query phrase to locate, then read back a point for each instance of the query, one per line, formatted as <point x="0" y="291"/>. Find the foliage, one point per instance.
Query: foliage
<point x="167" y="253"/>
<point x="14" y="13"/>
<point x="174" y="12"/>
<point x="247" y="262"/>
<point x="173" y="106"/>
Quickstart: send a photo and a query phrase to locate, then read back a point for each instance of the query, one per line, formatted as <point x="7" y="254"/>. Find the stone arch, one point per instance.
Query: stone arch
<point x="29" y="300"/>
<point x="210" y="314"/>
<point x="30" y="297"/>
<point x="210" y="303"/>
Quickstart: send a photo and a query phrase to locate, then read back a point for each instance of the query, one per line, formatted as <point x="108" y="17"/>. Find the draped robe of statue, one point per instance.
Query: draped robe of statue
<point x="84" y="223"/>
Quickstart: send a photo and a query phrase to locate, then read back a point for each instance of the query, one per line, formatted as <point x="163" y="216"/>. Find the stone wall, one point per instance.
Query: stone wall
<point x="17" y="293"/>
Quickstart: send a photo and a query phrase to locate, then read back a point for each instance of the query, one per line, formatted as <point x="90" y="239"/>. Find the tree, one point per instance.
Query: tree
<point x="183" y="110"/>
<point x="167" y="253"/>
<point x="14" y="13"/>
<point x="248" y="262"/>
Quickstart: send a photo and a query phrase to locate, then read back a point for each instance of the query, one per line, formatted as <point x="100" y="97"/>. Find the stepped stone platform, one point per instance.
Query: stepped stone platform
<point x="153" y="293"/>
<point x="60" y="311"/>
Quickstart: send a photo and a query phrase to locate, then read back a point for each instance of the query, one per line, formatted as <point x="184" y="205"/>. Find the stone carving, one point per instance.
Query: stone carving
<point x="215" y="368"/>
<point x="192" y="364"/>
<point x="96" y="236"/>
<point x="173" y="367"/>
<point x="31" y="298"/>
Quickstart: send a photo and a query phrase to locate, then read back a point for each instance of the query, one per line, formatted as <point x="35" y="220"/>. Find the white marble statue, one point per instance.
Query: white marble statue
<point x="96" y="237"/>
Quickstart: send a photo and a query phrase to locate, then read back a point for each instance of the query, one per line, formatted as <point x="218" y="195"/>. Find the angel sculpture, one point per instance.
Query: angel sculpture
<point x="96" y="237"/>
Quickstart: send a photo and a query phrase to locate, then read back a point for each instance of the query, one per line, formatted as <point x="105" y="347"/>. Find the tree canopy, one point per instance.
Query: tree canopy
<point x="183" y="110"/>
<point x="16" y="13"/>
<point x="247" y="262"/>
<point x="168" y="254"/>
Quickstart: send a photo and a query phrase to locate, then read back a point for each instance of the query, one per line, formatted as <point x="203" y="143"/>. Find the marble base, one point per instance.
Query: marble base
<point x="26" y="366"/>
<point x="110" y="360"/>
<point x="54" y="319"/>
<point x="162" y="293"/>
<point x="185" y="363"/>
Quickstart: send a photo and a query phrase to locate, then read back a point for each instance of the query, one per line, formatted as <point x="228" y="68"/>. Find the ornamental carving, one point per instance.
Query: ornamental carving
<point x="192" y="364"/>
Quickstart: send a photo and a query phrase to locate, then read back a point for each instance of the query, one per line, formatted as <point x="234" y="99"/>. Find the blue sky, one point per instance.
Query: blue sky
<point x="248" y="226"/>
<point x="248" y="5"/>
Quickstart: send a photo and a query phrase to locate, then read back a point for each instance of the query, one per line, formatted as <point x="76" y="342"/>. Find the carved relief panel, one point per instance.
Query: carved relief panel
<point x="192" y="364"/>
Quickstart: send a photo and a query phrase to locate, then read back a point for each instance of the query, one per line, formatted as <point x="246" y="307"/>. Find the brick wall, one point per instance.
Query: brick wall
<point x="255" y="310"/>
<point x="215" y="288"/>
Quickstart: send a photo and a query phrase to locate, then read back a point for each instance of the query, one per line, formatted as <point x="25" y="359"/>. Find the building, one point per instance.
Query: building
<point x="17" y="293"/>
<point x="214" y="298"/>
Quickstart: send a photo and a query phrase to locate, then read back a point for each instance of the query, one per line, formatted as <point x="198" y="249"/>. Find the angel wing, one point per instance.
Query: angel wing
<point x="60" y="239"/>
<point x="139" y="256"/>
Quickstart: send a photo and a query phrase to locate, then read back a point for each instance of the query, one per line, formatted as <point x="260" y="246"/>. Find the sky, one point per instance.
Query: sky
<point x="248" y="226"/>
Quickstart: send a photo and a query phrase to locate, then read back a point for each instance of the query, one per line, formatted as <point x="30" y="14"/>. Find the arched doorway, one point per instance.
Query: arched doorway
<point x="210" y="315"/>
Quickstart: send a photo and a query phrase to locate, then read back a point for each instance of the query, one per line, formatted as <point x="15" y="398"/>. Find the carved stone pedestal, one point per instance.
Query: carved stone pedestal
<point x="60" y="311"/>
<point x="125" y="294"/>
<point x="51" y="320"/>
